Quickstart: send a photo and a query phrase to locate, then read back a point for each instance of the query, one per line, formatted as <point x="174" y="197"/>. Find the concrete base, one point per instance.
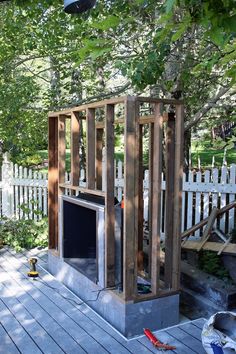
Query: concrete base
<point x="128" y="318"/>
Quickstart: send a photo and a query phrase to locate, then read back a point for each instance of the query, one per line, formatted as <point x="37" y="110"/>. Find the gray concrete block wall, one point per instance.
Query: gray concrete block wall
<point x="128" y="318"/>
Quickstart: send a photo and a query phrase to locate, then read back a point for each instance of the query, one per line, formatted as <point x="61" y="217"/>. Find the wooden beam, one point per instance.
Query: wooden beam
<point x="207" y="230"/>
<point x="159" y="100"/>
<point x="179" y="143"/>
<point x="169" y="197"/>
<point x="53" y="178"/>
<point x="90" y="148"/>
<point x="75" y="159"/>
<point x="109" y="205"/>
<point x="99" y="147"/>
<point x="142" y="120"/>
<point x="156" y="197"/>
<point x="82" y="189"/>
<point x="130" y="200"/>
<point x="113" y="101"/>
<point x="92" y="105"/>
<point x="211" y="246"/>
<point x="205" y="221"/>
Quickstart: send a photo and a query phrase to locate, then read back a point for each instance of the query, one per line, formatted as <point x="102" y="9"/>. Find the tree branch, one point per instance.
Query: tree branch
<point x="206" y="108"/>
<point x="102" y="96"/>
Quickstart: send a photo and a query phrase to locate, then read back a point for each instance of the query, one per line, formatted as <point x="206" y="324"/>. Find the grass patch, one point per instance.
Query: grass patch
<point x="206" y="152"/>
<point x="202" y="150"/>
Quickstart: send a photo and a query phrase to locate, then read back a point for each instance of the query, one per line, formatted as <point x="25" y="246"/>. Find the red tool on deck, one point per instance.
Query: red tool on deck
<point x="159" y="345"/>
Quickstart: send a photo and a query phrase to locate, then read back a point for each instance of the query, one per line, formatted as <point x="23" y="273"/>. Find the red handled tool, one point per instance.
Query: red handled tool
<point x="159" y="345"/>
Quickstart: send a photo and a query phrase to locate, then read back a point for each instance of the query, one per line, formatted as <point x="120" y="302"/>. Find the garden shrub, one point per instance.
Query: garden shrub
<point x="28" y="160"/>
<point x="211" y="263"/>
<point x="233" y="235"/>
<point x="24" y="234"/>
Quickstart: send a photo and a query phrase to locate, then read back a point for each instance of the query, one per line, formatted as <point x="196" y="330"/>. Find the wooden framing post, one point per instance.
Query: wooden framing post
<point x="75" y="160"/>
<point x="53" y="179"/>
<point x="156" y="197"/>
<point x="90" y="148"/>
<point x="131" y="189"/>
<point x="109" y="198"/>
<point x="179" y="138"/>
<point x="169" y="208"/>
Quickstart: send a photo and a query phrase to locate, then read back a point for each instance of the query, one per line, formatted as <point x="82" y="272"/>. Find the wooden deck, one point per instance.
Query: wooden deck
<point x="42" y="316"/>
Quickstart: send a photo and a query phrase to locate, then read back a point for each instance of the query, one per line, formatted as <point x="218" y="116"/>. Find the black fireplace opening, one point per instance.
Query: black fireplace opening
<point x="80" y="238"/>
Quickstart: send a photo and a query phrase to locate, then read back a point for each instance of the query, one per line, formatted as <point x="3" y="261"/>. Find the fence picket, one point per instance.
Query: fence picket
<point x="190" y="201"/>
<point x="198" y="202"/>
<point x="45" y="197"/>
<point x="30" y="196"/>
<point x="206" y="196"/>
<point x="25" y="194"/>
<point x="40" y="196"/>
<point x="35" y="198"/>
<point x="232" y="196"/>
<point x="119" y="181"/>
<point x="183" y="204"/>
<point x="16" y="192"/>
<point x="223" y="180"/>
<point x="21" y="191"/>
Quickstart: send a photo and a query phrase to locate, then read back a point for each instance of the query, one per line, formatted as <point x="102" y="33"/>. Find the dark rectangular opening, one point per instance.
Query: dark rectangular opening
<point x="80" y="238"/>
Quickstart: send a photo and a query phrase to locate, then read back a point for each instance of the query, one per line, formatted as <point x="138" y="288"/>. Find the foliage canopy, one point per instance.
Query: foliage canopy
<point x="177" y="48"/>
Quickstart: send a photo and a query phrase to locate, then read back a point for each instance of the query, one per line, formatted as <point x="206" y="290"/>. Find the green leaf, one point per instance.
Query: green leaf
<point x="109" y="22"/>
<point x="169" y="5"/>
<point x="98" y="52"/>
<point x="230" y="145"/>
<point x="230" y="23"/>
<point x="217" y="36"/>
<point x="178" y="34"/>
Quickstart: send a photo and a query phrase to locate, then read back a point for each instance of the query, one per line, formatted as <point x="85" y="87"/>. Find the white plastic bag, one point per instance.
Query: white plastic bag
<point x="219" y="333"/>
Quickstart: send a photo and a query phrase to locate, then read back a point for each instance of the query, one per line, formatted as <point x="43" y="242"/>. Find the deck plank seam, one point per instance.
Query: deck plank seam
<point x="34" y="319"/>
<point x="7" y="334"/>
<point x="22" y="329"/>
<point x="51" y="301"/>
<point x="60" y="325"/>
<point x="185" y="344"/>
<point x="92" y="322"/>
<point x="19" y="264"/>
<point x="55" y="320"/>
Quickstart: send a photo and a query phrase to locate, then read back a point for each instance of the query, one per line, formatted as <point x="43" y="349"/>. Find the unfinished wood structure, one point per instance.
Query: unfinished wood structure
<point x="163" y="119"/>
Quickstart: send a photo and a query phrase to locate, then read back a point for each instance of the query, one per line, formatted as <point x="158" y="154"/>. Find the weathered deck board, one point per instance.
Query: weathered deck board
<point x="6" y="344"/>
<point x="64" y="340"/>
<point x="43" y="316"/>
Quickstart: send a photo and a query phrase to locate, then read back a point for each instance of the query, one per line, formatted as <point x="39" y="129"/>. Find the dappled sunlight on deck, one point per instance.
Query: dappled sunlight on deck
<point x="43" y="316"/>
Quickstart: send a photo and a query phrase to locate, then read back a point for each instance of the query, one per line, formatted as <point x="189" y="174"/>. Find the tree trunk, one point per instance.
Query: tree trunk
<point x="76" y="96"/>
<point x="187" y="146"/>
<point x="55" y="83"/>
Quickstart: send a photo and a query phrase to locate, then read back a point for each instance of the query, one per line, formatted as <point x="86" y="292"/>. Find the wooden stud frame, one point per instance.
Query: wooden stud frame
<point x="101" y="133"/>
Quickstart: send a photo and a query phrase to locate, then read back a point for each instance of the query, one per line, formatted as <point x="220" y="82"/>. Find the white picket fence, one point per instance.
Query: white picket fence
<point x="23" y="193"/>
